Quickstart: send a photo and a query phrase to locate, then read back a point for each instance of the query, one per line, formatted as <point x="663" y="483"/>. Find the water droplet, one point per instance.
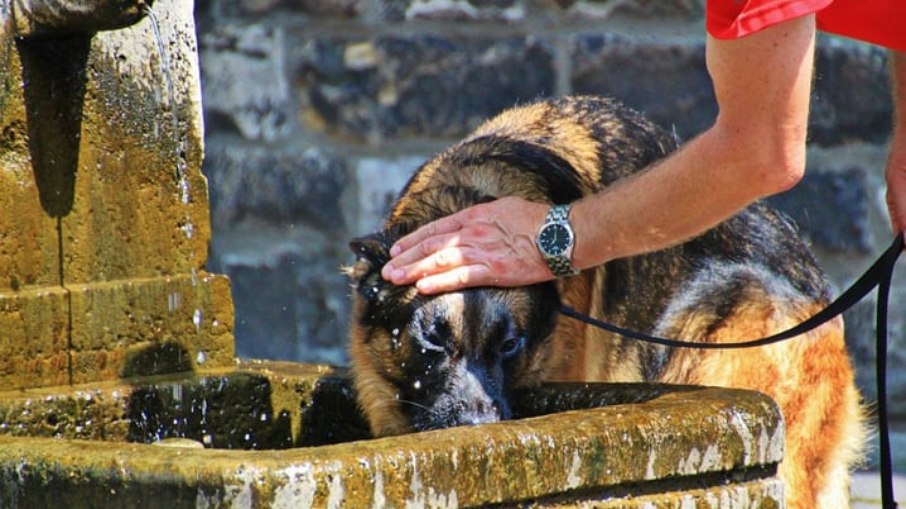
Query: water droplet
<point x="173" y="301"/>
<point x="196" y="319"/>
<point x="184" y="189"/>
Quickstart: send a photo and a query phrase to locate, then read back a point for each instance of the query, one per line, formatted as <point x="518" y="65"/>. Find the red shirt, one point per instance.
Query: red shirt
<point x="881" y="22"/>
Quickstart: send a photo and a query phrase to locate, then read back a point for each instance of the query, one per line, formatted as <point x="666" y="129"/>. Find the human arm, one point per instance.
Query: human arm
<point x="896" y="160"/>
<point x="755" y="148"/>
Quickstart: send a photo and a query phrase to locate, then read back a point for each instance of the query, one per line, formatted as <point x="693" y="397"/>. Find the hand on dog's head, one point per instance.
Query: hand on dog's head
<point x="442" y="360"/>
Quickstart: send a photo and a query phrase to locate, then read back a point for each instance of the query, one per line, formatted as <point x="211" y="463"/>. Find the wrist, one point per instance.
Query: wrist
<point x="594" y="244"/>
<point x="556" y="240"/>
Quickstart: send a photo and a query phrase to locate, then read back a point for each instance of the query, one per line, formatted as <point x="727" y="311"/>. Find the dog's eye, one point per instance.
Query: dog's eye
<point x="511" y="347"/>
<point x="432" y="342"/>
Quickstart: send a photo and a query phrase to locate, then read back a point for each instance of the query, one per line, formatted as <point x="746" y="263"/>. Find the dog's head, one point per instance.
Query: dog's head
<point x="427" y="362"/>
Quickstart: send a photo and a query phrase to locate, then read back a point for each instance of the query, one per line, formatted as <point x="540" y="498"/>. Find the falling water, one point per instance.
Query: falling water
<point x="162" y="52"/>
<point x="181" y="140"/>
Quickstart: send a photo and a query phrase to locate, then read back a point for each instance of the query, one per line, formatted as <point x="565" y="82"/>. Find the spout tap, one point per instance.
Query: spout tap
<point x="57" y="18"/>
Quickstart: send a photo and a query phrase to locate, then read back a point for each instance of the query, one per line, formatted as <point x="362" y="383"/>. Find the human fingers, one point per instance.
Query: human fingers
<point x="455" y="279"/>
<point x="431" y="256"/>
<point x="442" y="226"/>
<point x="457" y="269"/>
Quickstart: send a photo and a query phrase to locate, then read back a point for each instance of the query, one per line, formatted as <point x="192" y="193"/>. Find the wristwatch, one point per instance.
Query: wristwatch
<point x="556" y="239"/>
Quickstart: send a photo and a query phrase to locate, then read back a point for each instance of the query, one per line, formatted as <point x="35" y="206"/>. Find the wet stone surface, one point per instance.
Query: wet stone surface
<point x="658" y="445"/>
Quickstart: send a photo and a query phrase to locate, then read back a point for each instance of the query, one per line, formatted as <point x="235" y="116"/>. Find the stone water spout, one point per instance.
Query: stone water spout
<point x="104" y="219"/>
<point x="56" y="18"/>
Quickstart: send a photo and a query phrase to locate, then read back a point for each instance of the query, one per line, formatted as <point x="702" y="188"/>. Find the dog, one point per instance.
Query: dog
<point x="426" y="362"/>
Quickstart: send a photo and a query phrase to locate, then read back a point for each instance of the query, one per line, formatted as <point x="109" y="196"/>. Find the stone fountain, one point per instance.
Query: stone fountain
<point x="119" y="382"/>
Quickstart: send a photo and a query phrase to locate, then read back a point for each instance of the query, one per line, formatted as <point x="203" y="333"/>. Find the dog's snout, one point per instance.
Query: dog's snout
<point x="480" y="417"/>
<point x="482" y="397"/>
<point x="482" y="411"/>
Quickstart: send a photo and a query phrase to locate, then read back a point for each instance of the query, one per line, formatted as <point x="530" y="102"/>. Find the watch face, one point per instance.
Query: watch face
<point x="554" y="239"/>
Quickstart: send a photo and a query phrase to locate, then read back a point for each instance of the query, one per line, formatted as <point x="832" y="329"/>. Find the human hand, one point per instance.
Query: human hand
<point x="490" y="244"/>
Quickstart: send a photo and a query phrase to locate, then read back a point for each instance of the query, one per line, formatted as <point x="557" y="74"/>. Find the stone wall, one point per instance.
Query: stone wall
<point x="317" y="111"/>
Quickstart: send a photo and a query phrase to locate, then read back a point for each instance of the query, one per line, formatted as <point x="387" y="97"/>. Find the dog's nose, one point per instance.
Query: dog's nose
<point x="480" y="416"/>
<point x="481" y="412"/>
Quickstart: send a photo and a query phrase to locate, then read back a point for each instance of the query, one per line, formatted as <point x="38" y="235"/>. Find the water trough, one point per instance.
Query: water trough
<point x="267" y="434"/>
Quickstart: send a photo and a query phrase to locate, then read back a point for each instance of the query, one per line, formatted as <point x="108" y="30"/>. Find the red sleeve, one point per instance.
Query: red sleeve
<point x="731" y="19"/>
<point x="881" y="22"/>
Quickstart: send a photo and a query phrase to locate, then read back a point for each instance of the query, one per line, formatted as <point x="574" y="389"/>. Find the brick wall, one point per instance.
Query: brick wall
<point x="317" y="111"/>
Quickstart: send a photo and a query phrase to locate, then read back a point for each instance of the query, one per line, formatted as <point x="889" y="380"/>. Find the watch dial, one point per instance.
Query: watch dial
<point x="555" y="238"/>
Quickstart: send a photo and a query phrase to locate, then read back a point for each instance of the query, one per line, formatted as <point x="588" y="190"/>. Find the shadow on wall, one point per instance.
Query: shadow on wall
<point x="55" y="73"/>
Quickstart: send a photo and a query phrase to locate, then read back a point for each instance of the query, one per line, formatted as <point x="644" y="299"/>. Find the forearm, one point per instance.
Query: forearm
<point x="707" y="181"/>
<point x="755" y="148"/>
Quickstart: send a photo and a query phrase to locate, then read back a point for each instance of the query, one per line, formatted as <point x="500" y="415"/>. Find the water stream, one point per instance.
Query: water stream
<point x="180" y="138"/>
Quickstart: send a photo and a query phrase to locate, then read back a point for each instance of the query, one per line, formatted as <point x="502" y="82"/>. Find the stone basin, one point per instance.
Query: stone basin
<point x="271" y="434"/>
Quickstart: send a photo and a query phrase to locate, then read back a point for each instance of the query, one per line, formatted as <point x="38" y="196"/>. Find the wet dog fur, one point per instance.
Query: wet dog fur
<point x="426" y="362"/>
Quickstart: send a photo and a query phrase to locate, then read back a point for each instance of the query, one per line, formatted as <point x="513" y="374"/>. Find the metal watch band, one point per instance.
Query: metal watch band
<point x="558" y="214"/>
<point x="560" y="266"/>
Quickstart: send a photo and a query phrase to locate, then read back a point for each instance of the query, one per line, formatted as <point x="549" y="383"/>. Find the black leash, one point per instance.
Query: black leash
<point x="878" y="275"/>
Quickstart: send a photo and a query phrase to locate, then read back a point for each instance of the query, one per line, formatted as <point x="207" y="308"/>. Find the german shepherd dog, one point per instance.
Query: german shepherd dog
<point x="425" y="362"/>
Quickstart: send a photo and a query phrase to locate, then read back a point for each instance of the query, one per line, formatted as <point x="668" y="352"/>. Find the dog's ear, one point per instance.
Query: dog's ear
<point x="372" y="252"/>
<point x="386" y="302"/>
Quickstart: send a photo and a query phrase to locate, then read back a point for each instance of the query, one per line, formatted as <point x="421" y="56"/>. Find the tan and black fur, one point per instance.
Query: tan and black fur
<point x="431" y="362"/>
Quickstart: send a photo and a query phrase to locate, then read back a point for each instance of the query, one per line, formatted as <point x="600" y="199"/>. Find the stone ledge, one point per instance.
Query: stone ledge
<point x="35" y="343"/>
<point x="728" y="447"/>
<point x="107" y="330"/>
<point x="763" y="493"/>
